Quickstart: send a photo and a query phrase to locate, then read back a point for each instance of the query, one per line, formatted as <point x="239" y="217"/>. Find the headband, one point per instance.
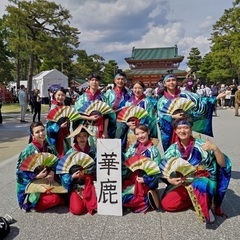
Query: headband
<point x="168" y="76"/>
<point x="183" y="122"/>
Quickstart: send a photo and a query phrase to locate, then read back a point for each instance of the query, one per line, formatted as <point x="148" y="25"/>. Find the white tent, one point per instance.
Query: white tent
<point x="44" y="80"/>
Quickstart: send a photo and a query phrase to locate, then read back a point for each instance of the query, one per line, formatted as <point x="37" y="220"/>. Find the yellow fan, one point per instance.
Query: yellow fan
<point x="63" y="112"/>
<point x="43" y="186"/>
<point x="96" y="107"/>
<point x="180" y="103"/>
<point x="170" y="167"/>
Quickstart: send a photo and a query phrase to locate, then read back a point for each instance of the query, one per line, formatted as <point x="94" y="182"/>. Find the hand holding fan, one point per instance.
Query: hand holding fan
<point x="172" y="106"/>
<point x="74" y="158"/>
<point x="63" y="112"/>
<point x="37" y="162"/>
<point x="131" y="112"/>
<point x="142" y="163"/>
<point x="177" y="167"/>
<point x="95" y="108"/>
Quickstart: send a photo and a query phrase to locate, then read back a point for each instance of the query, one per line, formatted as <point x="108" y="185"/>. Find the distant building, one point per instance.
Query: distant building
<point x="150" y="64"/>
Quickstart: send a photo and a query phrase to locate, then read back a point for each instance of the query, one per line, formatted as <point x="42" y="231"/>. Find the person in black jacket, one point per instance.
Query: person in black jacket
<point x="36" y="101"/>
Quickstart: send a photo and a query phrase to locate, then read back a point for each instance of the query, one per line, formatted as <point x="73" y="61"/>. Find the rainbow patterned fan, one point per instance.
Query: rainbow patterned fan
<point x="96" y="107"/>
<point x="43" y="186"/>
<point x="64" y="111"/>
<point x="176" y="165"/>
<point x="177" y="104"/>
<point x="74" y="158"/>
<point x="34" y="161"/>
<point x="132" y="111"/>
<point x="142" y="163"/>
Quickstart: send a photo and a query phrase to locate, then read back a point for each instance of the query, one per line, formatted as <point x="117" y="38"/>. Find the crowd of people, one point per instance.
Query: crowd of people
<point x="195" y="171"/>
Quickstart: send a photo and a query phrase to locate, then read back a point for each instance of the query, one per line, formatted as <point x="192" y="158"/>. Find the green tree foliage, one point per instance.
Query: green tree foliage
<point x="225" y="44"/>
<point x="194" y="59"/>
<point x="5" y="64"/>
<point x="110" y="71"/>
<point x="39" y="30"/>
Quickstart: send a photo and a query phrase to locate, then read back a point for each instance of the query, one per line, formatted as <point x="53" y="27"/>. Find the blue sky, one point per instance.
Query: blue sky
<point x="111" y="28"/>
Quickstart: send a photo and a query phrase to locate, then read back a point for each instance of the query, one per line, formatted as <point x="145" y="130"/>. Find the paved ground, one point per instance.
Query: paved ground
<point x="14" y="135"/>
<point x="57" y="223"/>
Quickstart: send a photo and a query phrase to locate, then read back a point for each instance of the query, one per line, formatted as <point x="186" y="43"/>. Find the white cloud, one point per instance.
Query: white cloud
<point x="111" y="28"/>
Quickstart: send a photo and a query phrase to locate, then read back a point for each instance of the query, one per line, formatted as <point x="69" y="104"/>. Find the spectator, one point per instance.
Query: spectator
<point x="36" y="102"/>
<point x="208" y="91"/>
<point x="233" y="90"/>
<point x="237" y="101"/>
<point x="23" y="101"/>
<point x="227" y="97"/>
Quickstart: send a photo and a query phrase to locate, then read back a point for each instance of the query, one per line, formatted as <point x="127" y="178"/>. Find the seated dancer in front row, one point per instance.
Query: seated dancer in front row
<point x="136" y="184"/>
<point x="37" y="201"/>
<point x="205" y="187"/>
<point x="81" y="173"/>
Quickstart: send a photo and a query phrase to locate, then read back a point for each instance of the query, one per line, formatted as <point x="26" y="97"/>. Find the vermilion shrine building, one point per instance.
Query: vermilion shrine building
<point x="150" y="64"/>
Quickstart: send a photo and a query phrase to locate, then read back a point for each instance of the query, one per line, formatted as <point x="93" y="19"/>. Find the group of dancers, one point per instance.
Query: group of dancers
<point x="195" y="171"/>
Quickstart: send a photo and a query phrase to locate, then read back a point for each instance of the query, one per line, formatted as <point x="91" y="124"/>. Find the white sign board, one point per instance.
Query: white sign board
<point x="109" y="177"/>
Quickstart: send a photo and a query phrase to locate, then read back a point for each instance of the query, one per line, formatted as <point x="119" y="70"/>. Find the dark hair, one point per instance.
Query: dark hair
<point x="57" y="90"/>
<point x="35" y="124"/>
<point x="120" y="73"/>
<point x="82" y="130"/>
<point x="142" y="127"/>
<point x="74" y="168"/>
<point x="94" y="75"/>
<point x="140" y="83"/>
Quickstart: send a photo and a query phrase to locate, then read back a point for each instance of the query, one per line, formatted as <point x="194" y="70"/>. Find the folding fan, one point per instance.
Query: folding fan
<point x="64" y="111"/>
<point x="176" y="166"/>
<point x="96" y="107"/>
<point x="43" y="186"/>
<point x="74" y="158"/>
<point x="34" y="161"/>
<point x="177" y="104"/>
<point x="132" y="111"/>
<point x="142" y="163"/>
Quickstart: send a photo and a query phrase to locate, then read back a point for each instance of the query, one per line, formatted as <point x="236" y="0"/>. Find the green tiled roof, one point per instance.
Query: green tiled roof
<point x="155" y="53"/>
<point x="81" y="81"/>
<point x="153" y="72"/>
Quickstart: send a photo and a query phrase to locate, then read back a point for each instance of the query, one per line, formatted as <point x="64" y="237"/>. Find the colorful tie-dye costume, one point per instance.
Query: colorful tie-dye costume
<point x="117" y="101"/>
<point x="56" y="136"/>
<point x="201" y="115"/>
<point x="150" y="120"/>
<point x="27" y="201"/>
<point x="85" y="99"/>
<point x="209" y="191"/>
<point x="135" y="193"/>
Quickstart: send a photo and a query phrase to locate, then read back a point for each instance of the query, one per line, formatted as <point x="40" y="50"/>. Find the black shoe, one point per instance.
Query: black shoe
<point x="23" y="121"/>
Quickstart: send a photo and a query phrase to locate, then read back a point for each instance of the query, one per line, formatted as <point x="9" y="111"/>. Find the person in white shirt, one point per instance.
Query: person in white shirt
<point x="23" y="101"/>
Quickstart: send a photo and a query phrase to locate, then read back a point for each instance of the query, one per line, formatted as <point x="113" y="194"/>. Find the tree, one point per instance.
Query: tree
<point x="5" y="64"/>
<point x="110" y="71"/>
<point x="225" y="43"/>
<point x="195" y="59"/>
<point x="40" y="29"/>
